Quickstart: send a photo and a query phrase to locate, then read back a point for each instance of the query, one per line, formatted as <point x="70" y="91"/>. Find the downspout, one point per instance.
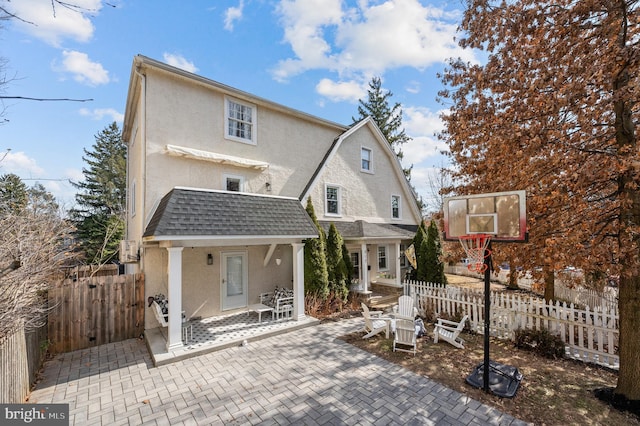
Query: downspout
<point x="143" y="142"/>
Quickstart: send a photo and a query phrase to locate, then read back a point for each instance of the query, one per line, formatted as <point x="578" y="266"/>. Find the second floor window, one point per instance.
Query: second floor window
<point x="395" y="206"/>
<point x="240" y="121"/>
<point x="365" y="157"/>
<point x="332" y="201"/>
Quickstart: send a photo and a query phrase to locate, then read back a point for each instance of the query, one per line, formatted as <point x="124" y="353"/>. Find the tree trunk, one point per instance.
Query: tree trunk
<point x="629" y="289"/>
<point x="629" y="349"/>
<point x="513" y="275"/>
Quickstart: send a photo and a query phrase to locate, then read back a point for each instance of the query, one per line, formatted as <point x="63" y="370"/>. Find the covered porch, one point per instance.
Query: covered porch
<point x="217" y="333"/>
<point x="210" y="255"/>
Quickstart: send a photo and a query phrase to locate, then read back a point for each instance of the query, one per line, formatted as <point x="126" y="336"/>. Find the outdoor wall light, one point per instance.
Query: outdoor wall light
<point x="278" y="257"/>
<point x="209" y="259"/>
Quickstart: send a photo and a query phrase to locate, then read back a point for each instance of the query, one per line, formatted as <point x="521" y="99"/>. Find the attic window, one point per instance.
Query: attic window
<point x="365" y="160"/>
<point x="240" y="120"/>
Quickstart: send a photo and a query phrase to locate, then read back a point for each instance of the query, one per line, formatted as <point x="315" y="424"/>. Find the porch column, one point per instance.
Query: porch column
<point x="298" y="280"/>
<point x="365" y="267"/>
<point x="174" y="331"/>
<point x="398" y="270"/>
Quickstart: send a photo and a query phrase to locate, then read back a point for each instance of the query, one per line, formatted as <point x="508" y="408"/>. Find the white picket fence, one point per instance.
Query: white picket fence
<point x="589" y="335"/>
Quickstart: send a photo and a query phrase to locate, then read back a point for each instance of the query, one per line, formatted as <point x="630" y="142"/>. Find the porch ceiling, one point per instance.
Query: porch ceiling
<point x="205" y="215"/>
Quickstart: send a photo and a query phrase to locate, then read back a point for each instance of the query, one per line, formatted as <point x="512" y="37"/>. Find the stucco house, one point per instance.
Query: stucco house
<point x="217" y="182"/>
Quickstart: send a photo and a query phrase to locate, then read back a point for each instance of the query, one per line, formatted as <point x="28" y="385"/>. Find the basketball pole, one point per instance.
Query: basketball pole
<point x="487" y="312"/>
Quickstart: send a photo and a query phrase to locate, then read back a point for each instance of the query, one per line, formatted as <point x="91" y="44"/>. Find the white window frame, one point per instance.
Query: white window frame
<point x="253" y="123"/>
<point x="386" y="258"/>
<point x="226" y="177"/>
<point x="370" y="151"/>
<point x="399" y="197"/>
<point x="339" y="200"/>
<point x="132" y="198"/>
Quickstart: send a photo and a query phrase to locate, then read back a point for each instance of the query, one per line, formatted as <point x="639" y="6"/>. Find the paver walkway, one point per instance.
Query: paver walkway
<point x="304" y="377"/>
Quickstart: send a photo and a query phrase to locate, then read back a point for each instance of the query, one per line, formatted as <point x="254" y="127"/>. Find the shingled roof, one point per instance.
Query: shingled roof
<point x="365" y="230"/>
<point x="192" y="212"/>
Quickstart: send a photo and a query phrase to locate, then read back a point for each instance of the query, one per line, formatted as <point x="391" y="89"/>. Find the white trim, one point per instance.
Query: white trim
<point x="253" y="124"/>
<point x="370" y="170"/>
<point x="326" y="201"/>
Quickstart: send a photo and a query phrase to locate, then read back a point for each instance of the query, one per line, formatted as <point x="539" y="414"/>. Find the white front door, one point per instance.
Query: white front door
<point x="234" y="281"/>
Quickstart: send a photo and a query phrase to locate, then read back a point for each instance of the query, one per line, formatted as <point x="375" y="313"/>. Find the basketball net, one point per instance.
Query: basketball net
<point x="475" y="245"/>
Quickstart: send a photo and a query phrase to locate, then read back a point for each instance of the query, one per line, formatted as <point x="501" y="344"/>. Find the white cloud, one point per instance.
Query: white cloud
<point x="232" y="15"/>
<point x="367" y="39"/>
<point x="179" y="61"/>
<point x="101" y="113"/>
<point x="53" y="22"/>
<point x="349" y="91"/>
<point x="20" y="164"/>
<point x="421" y="124"/>
<point x="83" y="69"/>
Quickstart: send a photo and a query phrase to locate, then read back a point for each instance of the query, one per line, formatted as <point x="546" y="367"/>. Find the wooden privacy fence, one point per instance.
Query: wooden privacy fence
<point x="589" y="335"/>
<point x="96" y="310"/>
<point x="21" y="355"/>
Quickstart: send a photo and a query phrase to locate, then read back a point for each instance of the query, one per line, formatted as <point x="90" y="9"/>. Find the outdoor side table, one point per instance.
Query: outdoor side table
<point x="260" y="308"/>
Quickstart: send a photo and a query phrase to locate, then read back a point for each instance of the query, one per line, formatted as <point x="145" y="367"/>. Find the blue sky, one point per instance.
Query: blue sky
<point x="316" y="56"/>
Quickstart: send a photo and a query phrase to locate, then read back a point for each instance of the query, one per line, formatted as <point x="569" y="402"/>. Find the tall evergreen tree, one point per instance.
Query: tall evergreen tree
<point x="388" y="119"/>
<point x="100" y="214"/>
<point x="316" y="277"/>
<point x="434" y="268"/>
<point x="336" y="268"/>
<point x="13" y="194"/>
<point x="421" y="235"/>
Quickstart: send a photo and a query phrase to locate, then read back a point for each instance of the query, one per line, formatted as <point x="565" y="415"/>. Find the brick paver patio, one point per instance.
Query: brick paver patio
<point x="304" y="377"/>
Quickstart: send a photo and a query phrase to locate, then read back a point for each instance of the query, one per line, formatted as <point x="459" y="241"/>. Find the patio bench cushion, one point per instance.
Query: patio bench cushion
<point x="281" y="300"/>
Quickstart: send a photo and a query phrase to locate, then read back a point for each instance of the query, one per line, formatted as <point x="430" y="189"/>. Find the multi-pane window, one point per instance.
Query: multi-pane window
<point x="240" y="121"/>
<point x="355" y="261"/>
<point x="365" y="157"/>
<point x="395" y="206"/>
<point x="332" y="200"/>
<point x="382" y="258"/>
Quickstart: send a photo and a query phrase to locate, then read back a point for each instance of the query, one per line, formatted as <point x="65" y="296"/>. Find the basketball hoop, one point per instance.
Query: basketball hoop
<point x="475" y="245"/>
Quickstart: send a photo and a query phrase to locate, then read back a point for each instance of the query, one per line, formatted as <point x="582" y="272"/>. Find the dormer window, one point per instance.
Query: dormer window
<point x="240" y="121"/>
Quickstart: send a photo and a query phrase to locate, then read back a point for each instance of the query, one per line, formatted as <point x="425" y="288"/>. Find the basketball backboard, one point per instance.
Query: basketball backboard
<point x="503" y="215"/>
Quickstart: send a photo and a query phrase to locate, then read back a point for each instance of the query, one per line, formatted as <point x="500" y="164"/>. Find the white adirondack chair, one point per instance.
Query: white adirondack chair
<point x="406" y="307"/>
<point x="405" y="334"/>
<point x="374" y="323"/>
<point x="449" y="331"/>
<point x="164" y="321"/>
